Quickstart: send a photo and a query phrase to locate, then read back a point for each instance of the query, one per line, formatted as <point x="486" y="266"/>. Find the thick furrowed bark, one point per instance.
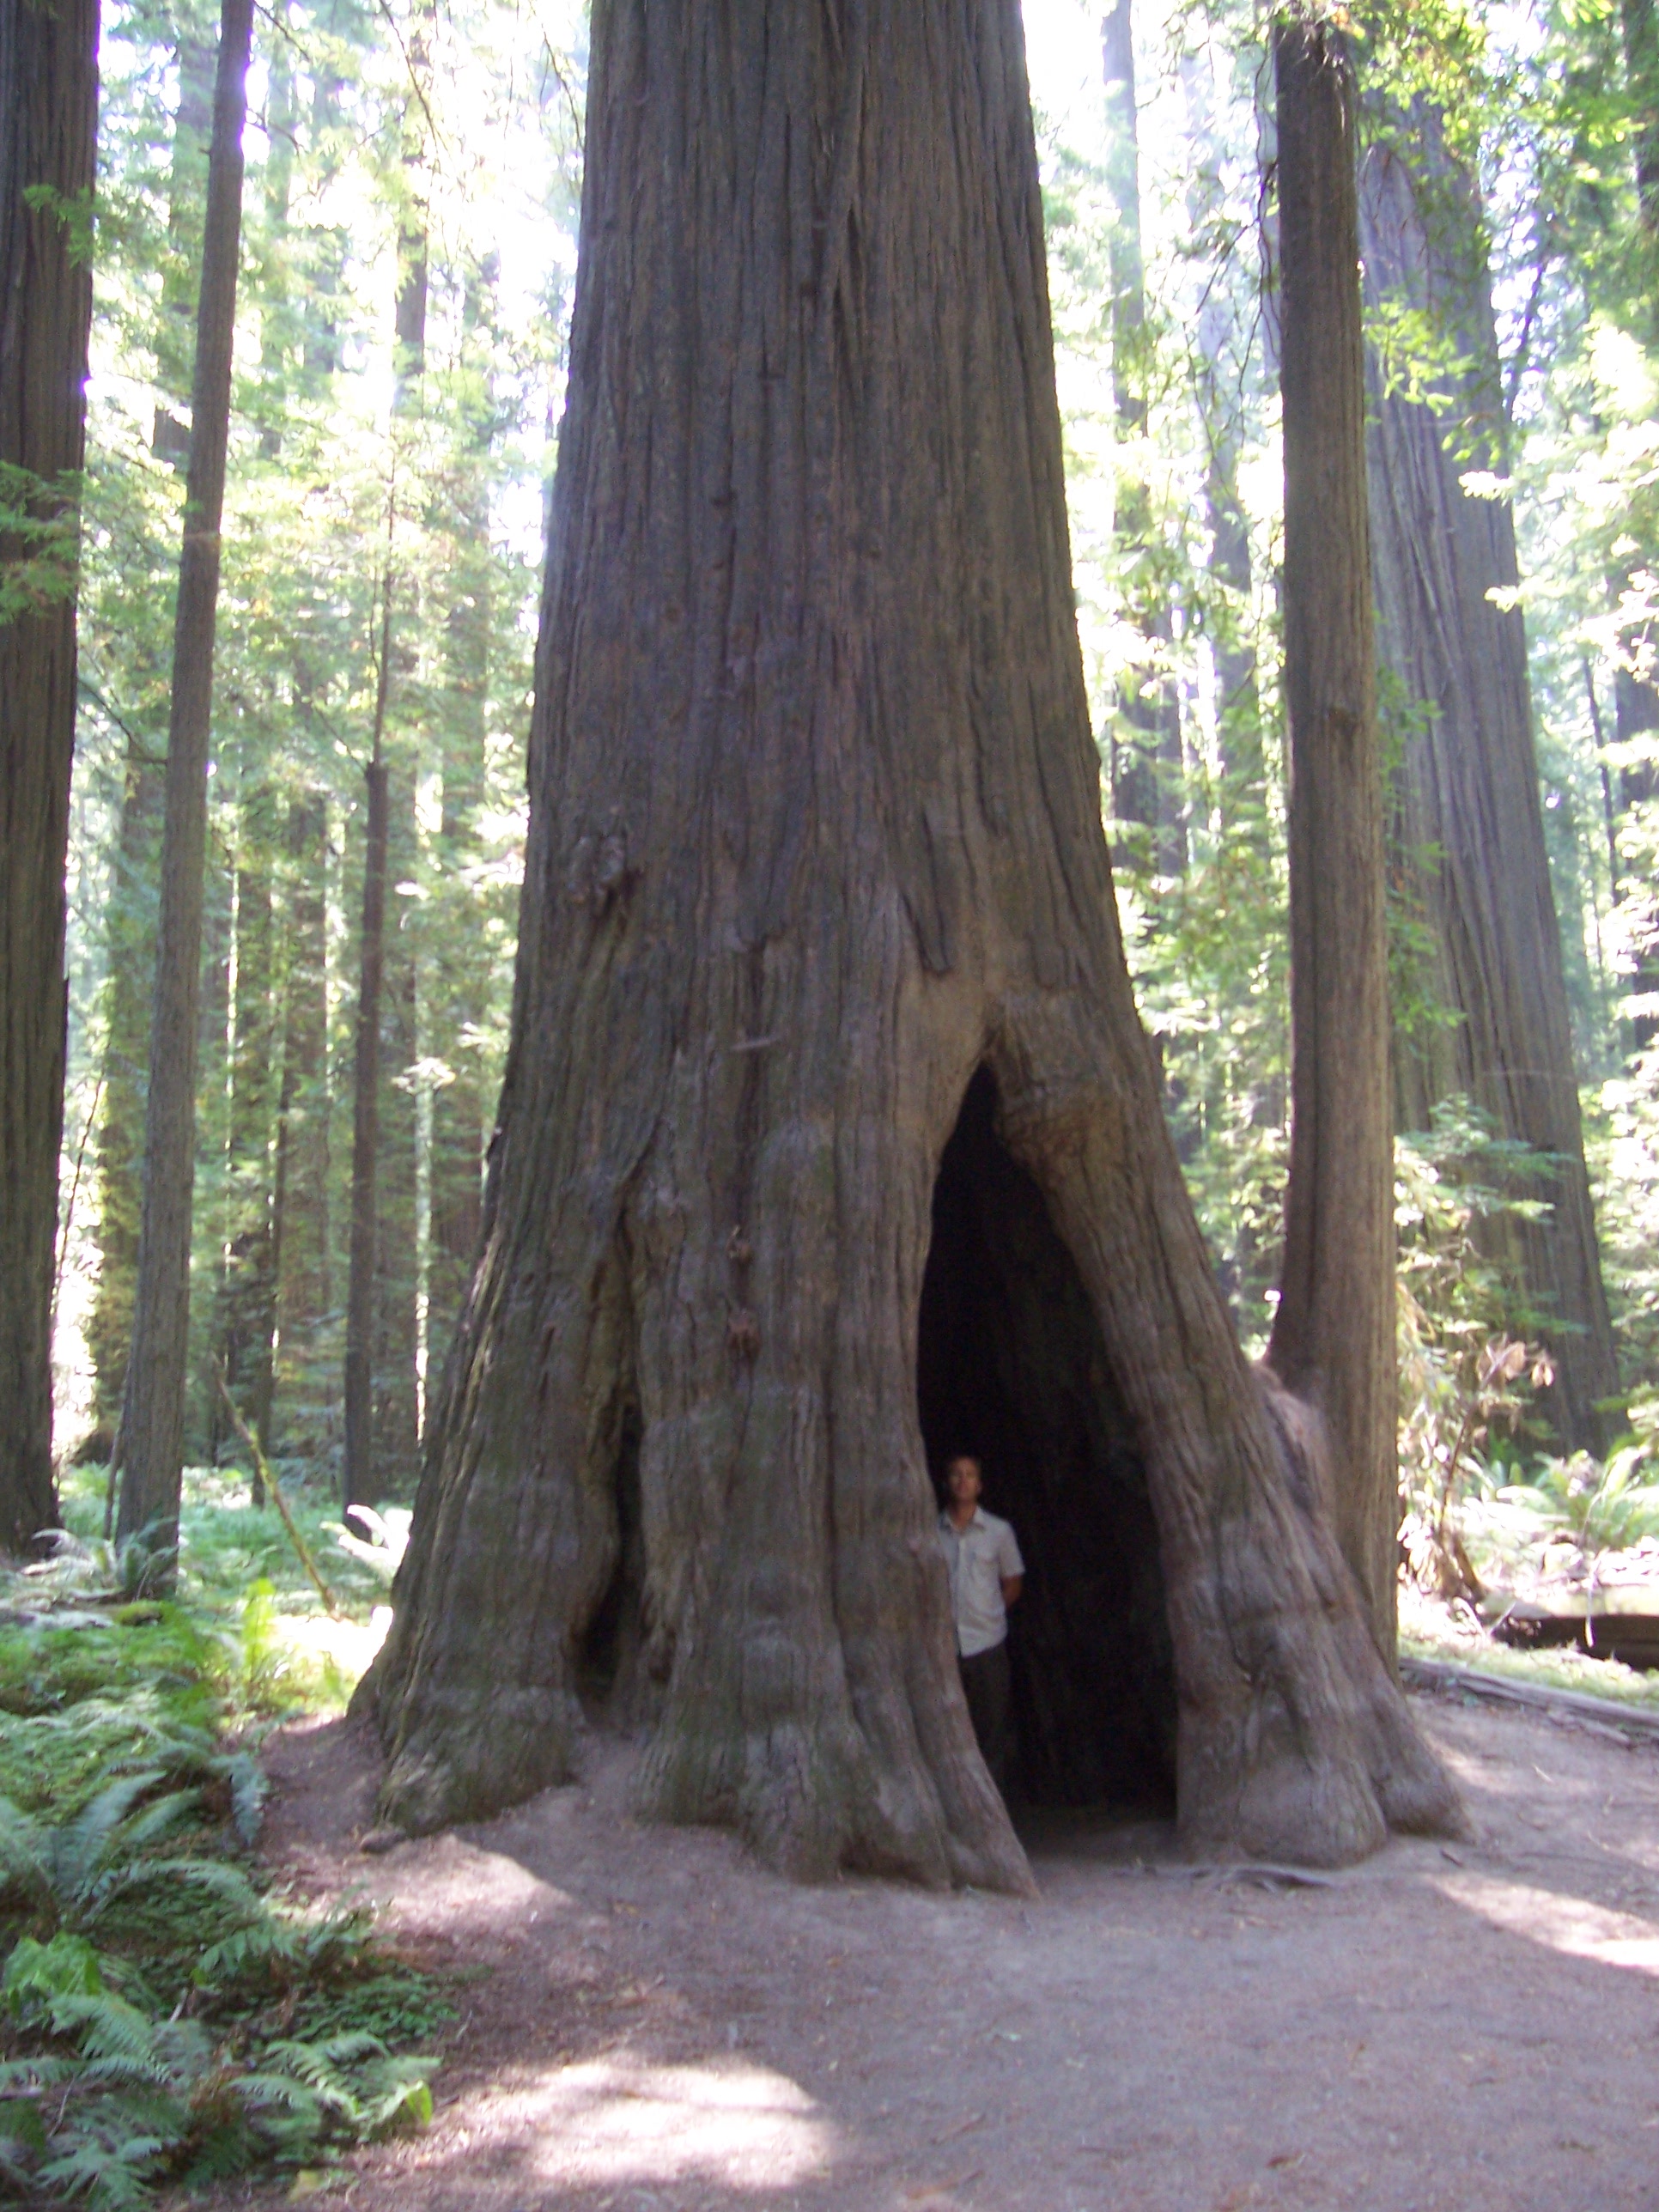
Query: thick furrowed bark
<point x="815" y="835"/>
<point x="1471" y="826"/>
<point x="48" y="111"/>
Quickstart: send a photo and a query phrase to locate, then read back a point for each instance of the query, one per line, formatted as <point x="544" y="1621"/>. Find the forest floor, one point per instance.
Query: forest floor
<point x="650" y="2022"/>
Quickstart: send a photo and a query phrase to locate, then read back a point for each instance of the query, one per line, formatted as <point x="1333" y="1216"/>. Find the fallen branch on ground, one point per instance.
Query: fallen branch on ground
<point x="1498" y="1689"/>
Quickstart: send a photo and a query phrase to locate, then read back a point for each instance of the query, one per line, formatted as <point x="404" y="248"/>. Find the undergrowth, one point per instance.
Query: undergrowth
<point x="166" y="2016"/>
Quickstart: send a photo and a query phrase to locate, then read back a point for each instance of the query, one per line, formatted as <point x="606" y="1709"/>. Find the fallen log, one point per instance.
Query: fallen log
<point x="1498" y="1689"/>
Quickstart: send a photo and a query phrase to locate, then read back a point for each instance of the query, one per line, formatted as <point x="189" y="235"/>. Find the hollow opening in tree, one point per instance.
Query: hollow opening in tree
<point x="612" y="1682"/>
<point x="1012" y="1368"/>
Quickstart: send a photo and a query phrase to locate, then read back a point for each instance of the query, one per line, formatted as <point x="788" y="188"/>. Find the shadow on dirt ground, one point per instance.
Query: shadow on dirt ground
<point x="653" y="2021"/>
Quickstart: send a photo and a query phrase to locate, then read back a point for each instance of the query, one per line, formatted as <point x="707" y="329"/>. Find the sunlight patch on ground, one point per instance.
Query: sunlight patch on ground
<point x="1568" y="1925"/>
<point x="621" y="2119"/>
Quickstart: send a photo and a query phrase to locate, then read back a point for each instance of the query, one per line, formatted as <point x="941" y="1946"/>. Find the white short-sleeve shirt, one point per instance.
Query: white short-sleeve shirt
<point x="979" y="1559"/>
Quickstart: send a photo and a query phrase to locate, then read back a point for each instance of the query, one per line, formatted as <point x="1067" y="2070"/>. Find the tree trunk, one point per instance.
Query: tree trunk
<point x="152" y="1420"/>
<point x="1471" y="824"/>
<point x="1147" y="780"/>
<point x="277" y="319"/>
<point x="1639" y="29"/>
<point x="1636" y="702"/>
<point x="48" y="123"/>
<point x="358" y="1465"/>
<point x="460" y="965"/>
<point x="1220" y="368"/>
<point x="181" y="262"/>
<point x="397" y="1284"/>
<point x="381" y="1429"/>
<point x="301" y="1209"/>
<point x="397" y="1279"/>
<point x="814" y="843"/>
<point x="1333" y="1334"/>
<point x="205" y="1425"/>
<point x="357" y="1471"/>
<point x="248" y="1314"/>
<point x="129" y="952"/>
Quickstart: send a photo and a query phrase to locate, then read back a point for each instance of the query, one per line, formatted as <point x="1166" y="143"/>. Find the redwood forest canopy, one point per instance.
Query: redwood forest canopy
<point x="777" y="740"/>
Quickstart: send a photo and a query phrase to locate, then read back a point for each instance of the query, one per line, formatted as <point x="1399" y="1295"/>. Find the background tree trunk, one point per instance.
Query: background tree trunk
<point x="131" y="958"/>
<point x="460" y="965"/>
<point x="187" y="176"/>
<point x="248" y="1313"/>
<point x="815" y="842"/>
<point x="131" y="941"/>
<point x="357" y="1466"/>
<point x="1146" y="782"/>
<point x="152" y="1421"/>
<point x="1333" y="1340"/>
<point x="381" y="1372"/>
<point x="1471" y="824"/>
<point x="300" y="1204"/>
<point x="48" y="124"/>
<point x="1219" y="377"/>
<point x="205" y="1424"/>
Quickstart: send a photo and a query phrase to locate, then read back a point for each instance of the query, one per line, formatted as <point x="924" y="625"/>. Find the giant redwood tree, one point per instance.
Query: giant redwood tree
<point x="48" y="121"/>
<point x="828" y="1129"/>
<point x="1470" y="818"/>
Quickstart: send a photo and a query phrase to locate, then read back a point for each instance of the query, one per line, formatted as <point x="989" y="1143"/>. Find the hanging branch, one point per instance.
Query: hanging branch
<point x="267" y="1475"/>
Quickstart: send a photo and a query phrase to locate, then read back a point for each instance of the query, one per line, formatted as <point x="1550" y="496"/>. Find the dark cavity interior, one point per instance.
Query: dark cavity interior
<point x="611" y="1676"/>
<point x="1012" y="1368"/>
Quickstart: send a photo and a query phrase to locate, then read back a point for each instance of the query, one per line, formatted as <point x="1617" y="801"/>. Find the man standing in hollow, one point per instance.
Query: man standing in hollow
<point x="987" y="1574"/>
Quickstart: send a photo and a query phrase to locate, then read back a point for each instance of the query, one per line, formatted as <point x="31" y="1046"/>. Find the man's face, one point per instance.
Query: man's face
<point x="962" y="1477"/>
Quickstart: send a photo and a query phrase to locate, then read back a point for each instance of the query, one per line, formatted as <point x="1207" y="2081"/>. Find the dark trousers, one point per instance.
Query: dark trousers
<point x="985" y="1685"/>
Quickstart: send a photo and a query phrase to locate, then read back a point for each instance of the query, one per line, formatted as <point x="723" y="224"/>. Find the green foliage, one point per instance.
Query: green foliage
<point x="1465" y="1378"/>
<point x="114" y="2101"/>
<point x="39" y="531"/>
<point x="1597" y="1506"/>
<point x="163" y="2016"/>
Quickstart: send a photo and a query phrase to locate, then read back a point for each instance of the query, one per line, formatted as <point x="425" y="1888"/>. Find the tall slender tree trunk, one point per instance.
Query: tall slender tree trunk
<point x="205" y="1425"/>
<point x="397" y="1285"/>
<point x="1238" y="706"/>
<point x="300" y="1233"/>
<point x="181" y="262"/>
<point x="397" y="1282"/>
<point x="48" y="124"/>
<point x="129" y="952"/>
<point x="1333" y="1334"/>
<point x="1636" y="701"/>
<point x="153" y="1414"/>
<point x="460" y="965"/>
<point x="131" y="920"/>
<point x="357" y="1464"/>
<point x="248" y="1311"/>
<point x="381" y="1429"/>
<point x="1471" y="823"/>
<point x="817" y="894"/>
<point x="1146" y="780"/>
<point x="276" y="321"/>
<point x="1639" y="27"/>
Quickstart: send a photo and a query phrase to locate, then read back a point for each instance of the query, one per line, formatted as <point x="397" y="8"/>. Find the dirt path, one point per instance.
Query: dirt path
<point x="668" y="2027"/>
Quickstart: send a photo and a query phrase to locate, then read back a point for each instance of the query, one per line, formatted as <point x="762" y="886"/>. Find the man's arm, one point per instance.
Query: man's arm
<point x="1012" y="1587"/>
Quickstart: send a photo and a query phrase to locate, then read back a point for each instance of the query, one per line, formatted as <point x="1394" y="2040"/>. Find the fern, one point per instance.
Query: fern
<point x="162" y="2020"/>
